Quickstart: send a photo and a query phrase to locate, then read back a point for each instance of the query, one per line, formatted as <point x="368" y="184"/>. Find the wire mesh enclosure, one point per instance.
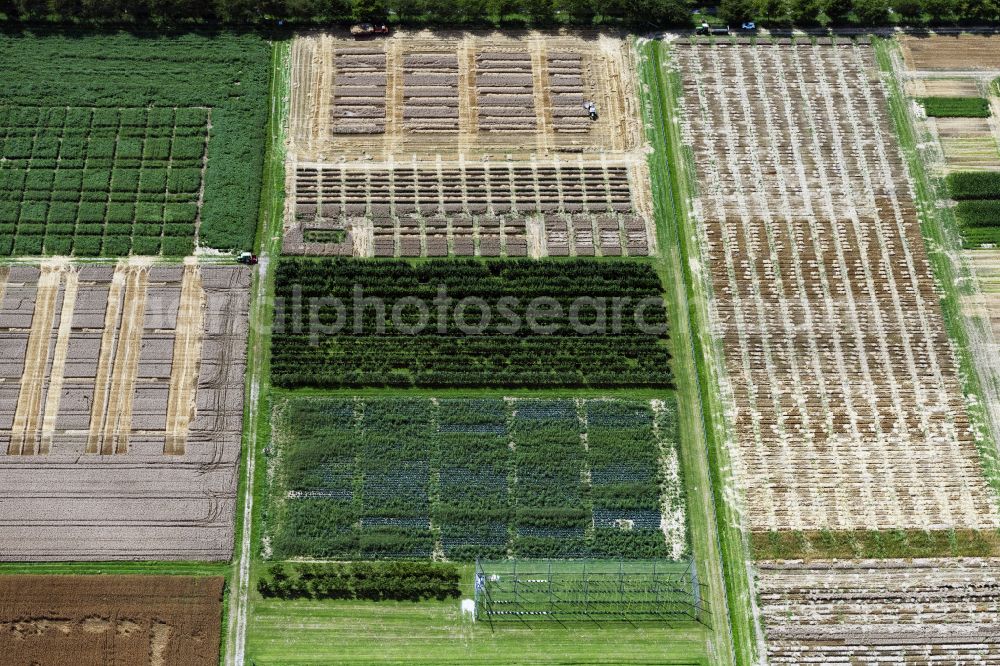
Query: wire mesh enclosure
<point x="589" y="590"/>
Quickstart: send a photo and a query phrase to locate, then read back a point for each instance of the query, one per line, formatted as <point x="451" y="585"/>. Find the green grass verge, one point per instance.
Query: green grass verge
<point x="941" y="234"/>
<point x="874" y="544"/>
<point x="956" y="107"/>
<point x="716" y="534"/>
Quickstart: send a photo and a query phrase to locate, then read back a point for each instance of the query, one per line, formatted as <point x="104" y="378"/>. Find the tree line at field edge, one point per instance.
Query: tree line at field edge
<point x="635" y="14"/>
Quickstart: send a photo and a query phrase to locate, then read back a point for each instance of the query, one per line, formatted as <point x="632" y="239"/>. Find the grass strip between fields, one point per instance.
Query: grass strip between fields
<point x="716" y="531"/>
<point x="257" y="412"/>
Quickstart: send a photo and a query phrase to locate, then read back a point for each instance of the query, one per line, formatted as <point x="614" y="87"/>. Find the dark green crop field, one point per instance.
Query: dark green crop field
<point x="116" y="144"/>
<point x="523" y="323"/>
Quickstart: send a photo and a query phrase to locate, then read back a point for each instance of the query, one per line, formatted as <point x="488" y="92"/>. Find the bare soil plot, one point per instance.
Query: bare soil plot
<point x="846" y="404"/>
<point x="957" y="66"/>
<point x="884" y="611"/>
<point x="101" y="620"/>
<point x="121" y="404"/>
<point x="465" y="144"/>
<point x="952" y="52"/>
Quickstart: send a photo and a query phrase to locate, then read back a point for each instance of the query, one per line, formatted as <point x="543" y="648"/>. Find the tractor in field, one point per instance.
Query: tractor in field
<point x="369" y="30"/>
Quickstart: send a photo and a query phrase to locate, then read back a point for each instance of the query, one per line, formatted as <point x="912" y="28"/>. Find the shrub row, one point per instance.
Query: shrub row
<point x="369" y="581"/>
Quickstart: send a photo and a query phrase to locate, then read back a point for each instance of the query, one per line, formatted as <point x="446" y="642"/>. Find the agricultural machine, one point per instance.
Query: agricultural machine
<point x="369" y="30"/>
<point x="247" y="258"/>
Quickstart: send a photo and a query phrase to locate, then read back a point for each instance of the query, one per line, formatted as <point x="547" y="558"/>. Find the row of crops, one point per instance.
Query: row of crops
<point x="978" y="208"/>
<point x="342" y="322"/>
<point x="477" y="478"/>
<point x="120" y="144"/>
<point x="956" y="107"/>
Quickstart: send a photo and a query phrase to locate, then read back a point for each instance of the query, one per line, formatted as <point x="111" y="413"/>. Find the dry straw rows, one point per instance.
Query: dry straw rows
<point x="121" y="404"/>
<point x="847" y="411"/>
<point x="881" y="611"/>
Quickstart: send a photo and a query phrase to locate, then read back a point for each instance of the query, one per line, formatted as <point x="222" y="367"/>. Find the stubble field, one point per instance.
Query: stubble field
<point x="846" y="403"/>
<point x="121" y="410"/>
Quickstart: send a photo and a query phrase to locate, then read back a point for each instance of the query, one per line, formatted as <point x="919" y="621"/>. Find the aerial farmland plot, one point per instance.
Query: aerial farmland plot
<point x="100" y="620"/>
<point x="846" y="404"/>
<point x="121" y="410"/>
<point x="105" y="150"/>
<point x="470" y="478"/>
<point x="466" y="144"/>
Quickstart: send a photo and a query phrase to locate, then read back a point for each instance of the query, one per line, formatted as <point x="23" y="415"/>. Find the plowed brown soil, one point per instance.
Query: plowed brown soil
<point x="104" y="620"/>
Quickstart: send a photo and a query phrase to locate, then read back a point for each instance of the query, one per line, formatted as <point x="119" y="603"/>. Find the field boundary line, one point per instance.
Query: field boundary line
<point x="256" y="415"/>
<point x="727" y="559"/>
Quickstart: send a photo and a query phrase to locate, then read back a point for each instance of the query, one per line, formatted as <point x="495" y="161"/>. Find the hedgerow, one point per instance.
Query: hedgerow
<point x="956" y="107"/>
<point x="124" y="118"/>
<point x="309" y="349"/>
<point x="974" y="185"/>
<point x="369" y="581"/>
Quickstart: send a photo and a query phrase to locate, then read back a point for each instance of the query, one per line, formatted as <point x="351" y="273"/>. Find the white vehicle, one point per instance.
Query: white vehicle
<point x="750" y="26"/>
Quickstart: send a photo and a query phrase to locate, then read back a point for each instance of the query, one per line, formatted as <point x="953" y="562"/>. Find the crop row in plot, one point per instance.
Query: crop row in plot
<point x="90" y="151"/>
<point x="888" y="611"/>
<point x="468" y="323"/>
<point x="471" y="478"/>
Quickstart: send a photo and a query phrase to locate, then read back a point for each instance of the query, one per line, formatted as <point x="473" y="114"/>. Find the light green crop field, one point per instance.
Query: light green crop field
<point x="356" y="633"/>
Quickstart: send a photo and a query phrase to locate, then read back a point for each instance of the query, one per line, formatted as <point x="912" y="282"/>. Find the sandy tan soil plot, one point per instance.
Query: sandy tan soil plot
<point x="121" y="404"/>
<point x="846" y="404"/>
<point x="952" y="52"/>
<point x="881" y="611"/>
<point x="466" y="144"/>
<point x="104" y="620"/>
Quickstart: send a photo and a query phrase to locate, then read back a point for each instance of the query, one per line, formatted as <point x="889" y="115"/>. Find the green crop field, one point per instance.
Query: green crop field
<point x="520" y="323"/>
<point x="956" y="107"/>
<point x="113" y="145"/>
<point x="477" y="478"/>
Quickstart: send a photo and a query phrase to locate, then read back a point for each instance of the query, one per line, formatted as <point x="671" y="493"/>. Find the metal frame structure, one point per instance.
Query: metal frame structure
<point x="589" y="591"/>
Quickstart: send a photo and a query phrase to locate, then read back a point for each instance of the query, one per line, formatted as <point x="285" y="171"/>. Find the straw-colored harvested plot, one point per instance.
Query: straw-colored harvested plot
<point x="121" y="403"/>
<point x="846" y="405"/>
<point x="462" y="144"/>
<point x="929" y="611"/>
